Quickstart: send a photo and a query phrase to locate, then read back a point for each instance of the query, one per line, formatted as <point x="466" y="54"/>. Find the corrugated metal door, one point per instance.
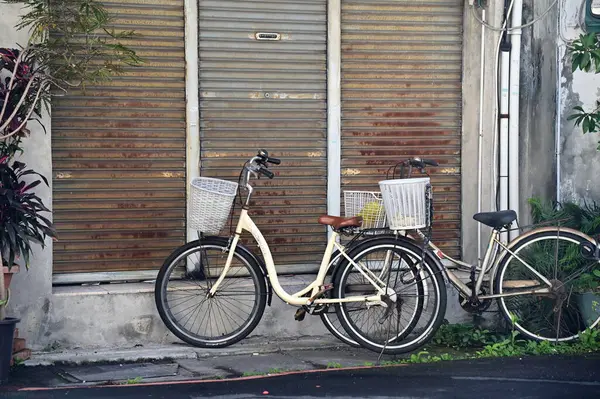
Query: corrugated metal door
<point x="269" y="94"/>
<point x="118" y="152"/>
<point x="401" y="97"/>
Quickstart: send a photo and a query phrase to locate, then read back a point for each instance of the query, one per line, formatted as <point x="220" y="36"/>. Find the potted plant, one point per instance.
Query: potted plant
<point x="587" y="288"/>
<point x="22" y="222"/>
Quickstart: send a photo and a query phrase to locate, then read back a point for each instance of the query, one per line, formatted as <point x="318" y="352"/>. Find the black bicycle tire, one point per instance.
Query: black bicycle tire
<point x="435" y="273"/>
<point x="503" y="263"/>
<point x="202" y="343"/>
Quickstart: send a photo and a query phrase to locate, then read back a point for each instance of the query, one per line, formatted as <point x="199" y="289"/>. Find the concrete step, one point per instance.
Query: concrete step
<point x="125" y="316"/>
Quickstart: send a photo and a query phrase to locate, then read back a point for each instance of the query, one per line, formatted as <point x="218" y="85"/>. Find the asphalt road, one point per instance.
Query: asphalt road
<point x="537" y="377"/>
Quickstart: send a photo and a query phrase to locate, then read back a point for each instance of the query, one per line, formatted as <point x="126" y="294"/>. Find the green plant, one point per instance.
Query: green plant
<point x="70" y="45"/>
<point x="251" y="374"/>
<point x="585" y="56"/>
<point x="133" y="381"/>
<point x="334" y="365"/>
<point x="21" y="219"/>
<point x="585" y="218"/>
<point x="463" y="336"/>
<point x="275" y="371"/>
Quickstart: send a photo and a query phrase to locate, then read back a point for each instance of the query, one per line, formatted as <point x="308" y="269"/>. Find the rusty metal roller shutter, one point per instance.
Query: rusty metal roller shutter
<point x="269" y="91"/>
<point x="401" y="97"/>
<point x="118" y="152"/>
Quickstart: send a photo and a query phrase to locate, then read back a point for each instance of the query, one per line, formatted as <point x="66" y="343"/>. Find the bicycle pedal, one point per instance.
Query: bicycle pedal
<point x="300" y="314"/>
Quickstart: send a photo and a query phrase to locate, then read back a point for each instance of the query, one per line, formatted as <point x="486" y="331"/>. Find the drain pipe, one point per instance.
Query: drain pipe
<point x="334" y="108"/>
<point x="504" y="121"/>
<point x="504" y="48"/>
<point x="513" y="125"/>
<point x="192" y="114"/>
<point x="480" y="138"/>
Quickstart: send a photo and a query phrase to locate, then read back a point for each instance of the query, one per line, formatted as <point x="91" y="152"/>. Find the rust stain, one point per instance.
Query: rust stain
<point x="403" y="132"/>
<point x="406" y="124"/>
<point x="408" y="114"/>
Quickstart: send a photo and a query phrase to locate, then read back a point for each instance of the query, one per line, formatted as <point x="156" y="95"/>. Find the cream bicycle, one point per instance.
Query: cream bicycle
<point x="212" y="292"/>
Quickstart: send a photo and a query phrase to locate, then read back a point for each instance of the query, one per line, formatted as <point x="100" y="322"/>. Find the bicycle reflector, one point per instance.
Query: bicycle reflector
<point x="589" y="251"/>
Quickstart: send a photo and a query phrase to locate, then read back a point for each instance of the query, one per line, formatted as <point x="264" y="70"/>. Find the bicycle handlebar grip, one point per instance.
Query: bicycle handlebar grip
<point x="264" y="154"/>
<point x="266" y="172"/>
<point x="430" y="162"/>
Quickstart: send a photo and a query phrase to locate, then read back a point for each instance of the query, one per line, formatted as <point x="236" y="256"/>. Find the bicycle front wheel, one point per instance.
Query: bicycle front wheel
<point x="570" y="307"/>
<point x="182" y="299"/>
<point x="415" y="303"/>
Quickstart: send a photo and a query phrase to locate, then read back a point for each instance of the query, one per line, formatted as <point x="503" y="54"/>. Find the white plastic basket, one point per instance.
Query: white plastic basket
<point x="210" y="204"/>
<point x="405" y="202"/>
<point x="368" y="205"/>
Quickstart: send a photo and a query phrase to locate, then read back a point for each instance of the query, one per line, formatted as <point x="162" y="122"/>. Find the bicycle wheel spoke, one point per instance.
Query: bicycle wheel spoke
<point x="221" y="317"/>
<point x="557" y="314"/>
<point x="411" y="299"/>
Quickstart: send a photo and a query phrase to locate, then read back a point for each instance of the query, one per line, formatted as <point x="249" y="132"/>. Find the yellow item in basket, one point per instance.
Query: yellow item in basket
<point x="371" y="212"/>
<point x="404" y="221"/>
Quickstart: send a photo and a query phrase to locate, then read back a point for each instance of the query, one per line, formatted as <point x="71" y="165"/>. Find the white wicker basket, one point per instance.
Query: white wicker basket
<point x="405" y="202"/>
<point x="368" y="205"/>
<point x="210" y="204"/>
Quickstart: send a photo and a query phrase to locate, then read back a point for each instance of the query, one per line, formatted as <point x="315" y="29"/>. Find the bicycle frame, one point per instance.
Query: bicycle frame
<point x="491" y="262"/>
<point x="246" y="223"/>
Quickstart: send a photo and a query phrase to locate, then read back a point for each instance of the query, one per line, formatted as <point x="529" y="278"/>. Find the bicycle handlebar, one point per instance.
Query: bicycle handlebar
<point x="421" y="163"/>
<point x="264" y="156"/>
<point x="266" y="172"/>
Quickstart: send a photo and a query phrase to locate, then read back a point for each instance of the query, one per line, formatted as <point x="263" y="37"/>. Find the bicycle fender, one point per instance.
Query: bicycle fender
<point x="436" y="261"/>
<point x="258" y="260"/>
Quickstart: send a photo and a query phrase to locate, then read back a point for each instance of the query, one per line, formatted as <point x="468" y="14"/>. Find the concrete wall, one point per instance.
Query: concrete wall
<point x="537" y="118"/>
<point x="472" y="115"/>
<point x="31" y="290"/>
<point x="579" y="159"/>
<point x="539" y="80"/>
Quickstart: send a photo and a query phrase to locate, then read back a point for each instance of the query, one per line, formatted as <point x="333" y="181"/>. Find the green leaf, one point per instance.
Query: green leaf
<point x="579" y="108"/>
<point x="576" y="62"/>
<point x="585" y="62"/>
<point x="585" y="125"/>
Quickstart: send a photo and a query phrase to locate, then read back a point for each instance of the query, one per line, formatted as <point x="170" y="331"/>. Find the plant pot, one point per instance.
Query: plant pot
<point x="589" y="305"/>
<point x="9" y="273"/>
<point x="7" y="331"/>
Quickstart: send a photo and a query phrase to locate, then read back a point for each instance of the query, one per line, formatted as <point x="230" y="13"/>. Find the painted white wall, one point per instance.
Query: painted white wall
<point x="31" y="290"/>
<point x="579" y="159"/>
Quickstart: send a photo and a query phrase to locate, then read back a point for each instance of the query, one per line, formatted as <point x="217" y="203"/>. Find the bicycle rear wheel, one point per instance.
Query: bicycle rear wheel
<point x="571" y="306"/>
<point x="416" y="290"/>
<point x="184" y="281"/>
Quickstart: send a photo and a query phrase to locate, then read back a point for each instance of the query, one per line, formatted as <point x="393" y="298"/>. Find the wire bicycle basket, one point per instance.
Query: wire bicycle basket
<point x="210" y="204"/>
<point x="406" y="202"/>
<point x="368" y="205"/>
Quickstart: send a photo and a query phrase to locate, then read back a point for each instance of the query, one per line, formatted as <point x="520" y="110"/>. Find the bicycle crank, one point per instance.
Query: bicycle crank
<point x="476" y="305"/>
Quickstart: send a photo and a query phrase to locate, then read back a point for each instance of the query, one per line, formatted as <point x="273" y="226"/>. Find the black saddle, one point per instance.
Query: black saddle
<point x="497" y="220"/>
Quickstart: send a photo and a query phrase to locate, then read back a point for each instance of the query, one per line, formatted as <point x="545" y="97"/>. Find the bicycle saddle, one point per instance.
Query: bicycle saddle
<point x="496" y="220"/>
<point x="338" y="222"/>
